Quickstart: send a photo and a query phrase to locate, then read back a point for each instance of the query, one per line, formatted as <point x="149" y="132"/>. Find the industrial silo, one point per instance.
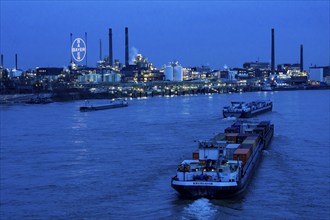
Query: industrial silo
<point x="82" y="78"/>
<point x="168" y="72"/>
<point x="107" y="77"/>
<point x="178" y="73"/>
<point x="117" y="77"/>
<point x="232" y="75"/>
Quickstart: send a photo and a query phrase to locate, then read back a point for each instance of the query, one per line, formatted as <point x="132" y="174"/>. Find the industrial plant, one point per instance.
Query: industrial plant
<point x="138" y="77"/>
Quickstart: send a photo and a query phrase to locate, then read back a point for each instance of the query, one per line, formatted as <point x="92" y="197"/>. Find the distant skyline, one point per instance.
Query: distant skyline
<point x="195" y="33"/>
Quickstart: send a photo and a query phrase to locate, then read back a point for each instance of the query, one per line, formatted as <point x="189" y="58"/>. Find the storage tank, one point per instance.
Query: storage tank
<point x="107" y="77"/>
<point x="82" y="78"/>
<point x="117" y="77"/>
<point x="87" y="78"/>
<point x="168" y="72"/>
<point x="93" y="78"/>
<point x="232" y="75"/>
<point x="178" y="73"/>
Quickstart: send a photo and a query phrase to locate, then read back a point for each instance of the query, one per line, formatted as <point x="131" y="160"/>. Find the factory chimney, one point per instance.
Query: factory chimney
<point x="301" y="58"/>
<point x="126" y="47"/>
<point x="100" y="49"/>
<point x="273" y="54"/>
<point x="110" y="47"/>
<point x="2" y="60"/>
<point x="16" y="66"/>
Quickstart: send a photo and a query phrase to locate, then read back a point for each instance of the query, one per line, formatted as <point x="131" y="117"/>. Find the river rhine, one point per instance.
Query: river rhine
<point x="59" y="163"/>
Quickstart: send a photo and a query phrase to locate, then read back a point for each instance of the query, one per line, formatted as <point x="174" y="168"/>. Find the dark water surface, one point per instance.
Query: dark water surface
<point x="59" y="163"/>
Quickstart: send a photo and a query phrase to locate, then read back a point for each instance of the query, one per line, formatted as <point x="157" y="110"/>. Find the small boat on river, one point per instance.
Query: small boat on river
<point x="247" y="110"/>
<point x="117" y="103"/>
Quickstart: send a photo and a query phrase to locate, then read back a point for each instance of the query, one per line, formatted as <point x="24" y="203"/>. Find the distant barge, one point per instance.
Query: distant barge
<point x="39" y="100"/>
<point x="247" y="110"/>
<point x="223" y="166"/>
<point x="118" y="103"/>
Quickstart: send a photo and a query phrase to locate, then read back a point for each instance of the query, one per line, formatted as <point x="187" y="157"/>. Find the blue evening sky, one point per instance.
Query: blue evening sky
<point x="195" y="33"/>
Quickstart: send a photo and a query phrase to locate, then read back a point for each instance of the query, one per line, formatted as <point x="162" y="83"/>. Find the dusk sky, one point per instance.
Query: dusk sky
<point x="214" y="33"/>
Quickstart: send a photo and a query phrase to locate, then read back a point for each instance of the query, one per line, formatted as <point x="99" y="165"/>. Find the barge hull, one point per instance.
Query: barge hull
<point x="101" y="107"/>
<point x="212" y="192"/>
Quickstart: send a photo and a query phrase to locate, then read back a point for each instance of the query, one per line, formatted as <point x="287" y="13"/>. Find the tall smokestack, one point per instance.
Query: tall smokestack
<point x="126" y="46"/>
<point x="301" y="58"/>
<point x="110" y="47"/>
<point x="100" y="49"/>
<point x="16" y="66"/>
<point x="273" y="53"/>
<point x="2" y="60"/>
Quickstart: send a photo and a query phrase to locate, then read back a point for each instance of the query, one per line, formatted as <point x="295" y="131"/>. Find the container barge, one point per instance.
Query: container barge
<point x="118" y="103"/>
<point x="223" y="166"/>
<point x="247" y="110"/>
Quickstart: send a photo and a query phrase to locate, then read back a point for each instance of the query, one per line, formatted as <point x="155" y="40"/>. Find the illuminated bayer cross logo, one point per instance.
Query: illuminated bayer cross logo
<point x="78" y="49"/>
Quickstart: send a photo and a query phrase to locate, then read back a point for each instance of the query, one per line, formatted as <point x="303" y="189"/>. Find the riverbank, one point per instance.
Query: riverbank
<point x="21" y="98"/>
<point x="131" y="90"/>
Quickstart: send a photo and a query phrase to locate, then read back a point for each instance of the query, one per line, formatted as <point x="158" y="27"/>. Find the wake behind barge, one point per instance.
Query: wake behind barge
<point x="223" y="166"/>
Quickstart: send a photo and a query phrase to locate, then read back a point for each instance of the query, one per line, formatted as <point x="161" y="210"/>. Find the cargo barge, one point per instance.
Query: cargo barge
<point x="247" y="110"/>
<point x="223" y="166"/>
<point x="118" y="103"/>
<point x="39" y="100"/>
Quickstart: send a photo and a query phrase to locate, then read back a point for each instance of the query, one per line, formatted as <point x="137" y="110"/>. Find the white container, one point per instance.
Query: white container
<point x="230" y="149"/>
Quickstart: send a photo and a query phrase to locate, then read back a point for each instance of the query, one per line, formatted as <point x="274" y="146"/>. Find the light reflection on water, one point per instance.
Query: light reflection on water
<point x="200" y="209"/>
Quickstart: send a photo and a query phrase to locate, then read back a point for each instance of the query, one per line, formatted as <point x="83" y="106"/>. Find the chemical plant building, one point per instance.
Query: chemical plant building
<point x="139" y="69"/>
<point x="96" y="75"/>
<point x="291" y="74"/>
<point x="319" y="74"/>
<point x="253" y="69"/>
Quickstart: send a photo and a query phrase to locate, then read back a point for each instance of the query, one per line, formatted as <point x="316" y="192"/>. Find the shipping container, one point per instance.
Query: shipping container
<point x="242" y="154"/>
<point x="241" y="137"/>
<point x="252" y="142"/>
<point x="231" y="137"/>
<point x="230" y="149"/>
<point x="247" y="146"/>
<point x="237" y="127"/>
<point x="254" y="137"/>
<point x="232" y="130"/>
<point x="196" y="155"/>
